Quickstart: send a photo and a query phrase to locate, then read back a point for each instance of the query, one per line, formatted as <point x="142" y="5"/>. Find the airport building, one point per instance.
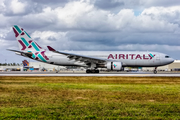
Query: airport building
<point x="175" y="66"/>
<point x="33" y="66"/>
<point x="11" y="68"/>
<point x="40" y="66"/>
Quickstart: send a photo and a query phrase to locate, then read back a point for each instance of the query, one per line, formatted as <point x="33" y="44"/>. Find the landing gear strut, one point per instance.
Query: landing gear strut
<point x="92" y="71"/>
<point x="155" y="71"/>
<point x="58" y="70"/>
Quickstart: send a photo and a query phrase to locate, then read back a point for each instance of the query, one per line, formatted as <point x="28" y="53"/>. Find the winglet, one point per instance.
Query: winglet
<point x="50" y="48"/>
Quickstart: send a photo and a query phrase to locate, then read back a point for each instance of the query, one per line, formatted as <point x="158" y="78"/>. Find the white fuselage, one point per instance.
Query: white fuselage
<point x="128" y="58"/>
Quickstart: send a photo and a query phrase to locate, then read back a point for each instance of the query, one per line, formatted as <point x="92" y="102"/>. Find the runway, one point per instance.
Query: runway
<point x="128" y="74"/>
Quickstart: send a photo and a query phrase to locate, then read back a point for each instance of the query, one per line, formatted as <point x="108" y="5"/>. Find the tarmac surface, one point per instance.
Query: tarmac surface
<point x="82" y="73"/>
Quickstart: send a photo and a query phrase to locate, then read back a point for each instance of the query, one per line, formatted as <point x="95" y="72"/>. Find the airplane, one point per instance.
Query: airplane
<point x="92" y="60"/>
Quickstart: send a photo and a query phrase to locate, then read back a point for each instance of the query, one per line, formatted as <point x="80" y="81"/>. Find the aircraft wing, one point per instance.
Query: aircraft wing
<point x="81" y="58"/>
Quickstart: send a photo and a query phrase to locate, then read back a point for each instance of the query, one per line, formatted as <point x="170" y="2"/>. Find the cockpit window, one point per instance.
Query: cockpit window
<point x="166" y="56"/>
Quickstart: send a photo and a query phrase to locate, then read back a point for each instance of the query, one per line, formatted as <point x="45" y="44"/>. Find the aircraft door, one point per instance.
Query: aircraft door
<point x="157" y="59"/>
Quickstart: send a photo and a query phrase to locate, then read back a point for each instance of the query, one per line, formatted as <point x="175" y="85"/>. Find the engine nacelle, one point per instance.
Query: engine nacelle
<point x="17" y="53"/>
<point x="21" y="54"/>
<point x="114" y="65"/>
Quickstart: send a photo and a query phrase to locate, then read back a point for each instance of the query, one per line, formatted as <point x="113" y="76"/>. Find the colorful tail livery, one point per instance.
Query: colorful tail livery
<point x="26" y="44"/>
<point x="24" y="40"/>
<point x="25" y="63"/>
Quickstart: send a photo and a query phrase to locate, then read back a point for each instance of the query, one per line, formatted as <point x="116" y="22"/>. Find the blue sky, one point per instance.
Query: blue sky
<point x="88" y="25"/>
<point x="137" y="12"/>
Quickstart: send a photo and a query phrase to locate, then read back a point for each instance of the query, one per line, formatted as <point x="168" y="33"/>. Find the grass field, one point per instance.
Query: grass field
<point x="89" y="97"/>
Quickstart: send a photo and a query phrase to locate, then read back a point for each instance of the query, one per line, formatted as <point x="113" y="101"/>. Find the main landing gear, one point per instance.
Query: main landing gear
<point x="92" y="71"/>
<point x="155" y="70"/>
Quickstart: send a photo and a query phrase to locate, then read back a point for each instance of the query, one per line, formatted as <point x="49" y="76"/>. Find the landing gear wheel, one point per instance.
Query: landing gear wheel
<point x="92" y="71"/>
<point x="88" y="71"/>
<point x="96" y="71"/>
<point x="155" y="70"/>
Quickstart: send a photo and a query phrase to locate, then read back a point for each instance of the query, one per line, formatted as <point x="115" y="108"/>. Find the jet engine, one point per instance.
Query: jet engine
<point x="17" y="53"/>
<point x="114" y="65"/>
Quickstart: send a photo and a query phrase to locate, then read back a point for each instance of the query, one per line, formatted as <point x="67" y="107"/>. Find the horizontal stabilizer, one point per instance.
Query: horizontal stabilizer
<point x="28" y="54"/>
<point x="15" y="51"/>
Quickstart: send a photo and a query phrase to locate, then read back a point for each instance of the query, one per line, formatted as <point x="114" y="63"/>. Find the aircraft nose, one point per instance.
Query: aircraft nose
<point x="171" y="60"/>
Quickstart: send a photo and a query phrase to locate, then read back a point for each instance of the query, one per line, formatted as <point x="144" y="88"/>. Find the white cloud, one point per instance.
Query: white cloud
<point x="4" y="43"/>
<point x="96" y="25"/>
<point x="17" y="7"/>
<point x="170" y="14"/>
<point x="4" y="21"/>
<point x="146" y="47"/>
<point x="81" y="15"/>
<point x="72" y="11"/>
<point x="50" y="38"/>
<point x="83" y="25"/>
<point x="2" y="6"/>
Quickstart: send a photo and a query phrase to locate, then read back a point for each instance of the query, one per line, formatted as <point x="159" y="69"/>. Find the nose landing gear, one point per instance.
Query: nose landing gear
<point x="155" y="70"/>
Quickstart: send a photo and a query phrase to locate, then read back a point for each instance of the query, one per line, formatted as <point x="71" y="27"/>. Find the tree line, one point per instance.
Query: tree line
<point x="10" y="64"/>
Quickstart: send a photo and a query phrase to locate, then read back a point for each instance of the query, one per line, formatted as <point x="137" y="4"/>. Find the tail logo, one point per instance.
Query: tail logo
<point x="40" y="56"/>
<point x="24" y="39"/>
<point x="25" y="63"/>
<point x="114" y="65"/>
<point x="29" y="44"/>
<point x="19" y="31"/>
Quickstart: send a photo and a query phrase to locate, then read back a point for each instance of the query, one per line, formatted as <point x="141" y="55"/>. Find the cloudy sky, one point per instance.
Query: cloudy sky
<point x="102" y="25"/>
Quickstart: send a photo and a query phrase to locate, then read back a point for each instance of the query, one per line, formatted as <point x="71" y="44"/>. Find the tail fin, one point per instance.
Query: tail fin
<point x="24" y="40"/>
<point x="25" y="63"/>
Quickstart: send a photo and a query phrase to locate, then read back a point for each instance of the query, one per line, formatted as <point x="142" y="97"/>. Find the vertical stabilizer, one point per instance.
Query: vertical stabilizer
<point x="25" y="42"/>
<point x="25" y="63"/>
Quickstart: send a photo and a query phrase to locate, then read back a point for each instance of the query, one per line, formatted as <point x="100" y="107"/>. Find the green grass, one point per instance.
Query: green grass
<point x="89" y="98"/>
